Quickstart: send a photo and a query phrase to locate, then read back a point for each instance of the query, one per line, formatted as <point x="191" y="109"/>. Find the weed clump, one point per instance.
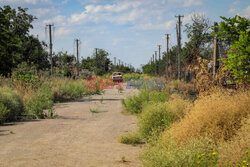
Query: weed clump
<point x="11" y="104"/>
<point x="218" y="116"/>
<point x="131" y="138"/>
<point x="158" y="116"/>
<point x="159" y="154"/>
<point x="134" y="104"/>
<point x="37" y="102"/>
<point x="68" y="89"/>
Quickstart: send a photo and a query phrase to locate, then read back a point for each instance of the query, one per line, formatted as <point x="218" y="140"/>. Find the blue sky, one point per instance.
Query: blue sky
<point x="128" y="29"/>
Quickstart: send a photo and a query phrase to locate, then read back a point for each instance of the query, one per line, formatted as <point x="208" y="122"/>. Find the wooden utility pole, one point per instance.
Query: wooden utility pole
<point x="159" y="46"/>
<point x="159" y="63"/>
<point x="50" y="48"/>
<point x="156" y="67"/>
<point x="77" y="57"/>
<point x="96" y="49"/>
<point x="167" y="56"/>
<point x="215" y="51"/>
<point x="115" y="61"/>
<point x="179" y="44"/>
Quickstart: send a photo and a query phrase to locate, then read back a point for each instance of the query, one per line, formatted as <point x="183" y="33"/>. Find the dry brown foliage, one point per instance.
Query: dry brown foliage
<point x="234" y="150"/>
<point x="218" y="116"/>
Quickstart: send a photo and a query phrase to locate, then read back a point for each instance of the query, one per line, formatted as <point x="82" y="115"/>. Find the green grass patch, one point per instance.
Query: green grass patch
<point x="96" y="111"/>
<point x="11" y="105"/>
<point x="131" y="138"/>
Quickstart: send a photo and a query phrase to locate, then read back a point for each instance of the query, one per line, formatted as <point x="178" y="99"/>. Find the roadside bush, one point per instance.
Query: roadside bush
<point x="37" y="102"/>
<point x="134" y="104"/>
<point x="158" y="116"/>
<point x="4" y="111"/>
<point x="130" y="138"/>
<point x="218" y="115"/>
<point x="236" y="150"/>
<point x="154" y="119"/>
<point x="159" y="154"/>
<point x="67" y="89"/>
<point x="11" y="104"/>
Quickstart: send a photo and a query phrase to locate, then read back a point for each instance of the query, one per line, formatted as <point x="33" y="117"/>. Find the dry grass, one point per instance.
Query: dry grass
<point x="218" y="116"/>
<point x="234" y="150"/>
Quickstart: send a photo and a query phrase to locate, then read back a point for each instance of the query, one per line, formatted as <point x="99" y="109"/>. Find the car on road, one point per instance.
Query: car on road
<point x="117" y="77"/>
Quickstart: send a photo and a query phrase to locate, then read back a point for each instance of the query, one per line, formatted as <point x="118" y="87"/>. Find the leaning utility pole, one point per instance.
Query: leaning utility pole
<point x="77" y="57"/>
<point x="179" y="45"/>
<point x="50" y="48"/>
<point x="215" y="51"/>
<point x="167" y="56"/>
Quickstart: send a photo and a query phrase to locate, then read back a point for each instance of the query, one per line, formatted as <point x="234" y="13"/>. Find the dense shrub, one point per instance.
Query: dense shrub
<point x="134" y="104"/>
<point x="235" y="150"/>
<point x="4" y="111"/>
<point x="67" y="89"/>
<point x="159" y="154"/>
<point x="11" y="104"/>
<point x="158" y="116"/>
<point x="218" y="115"/>
<point x="130" y="138"/>
<point x="36" y="103"/>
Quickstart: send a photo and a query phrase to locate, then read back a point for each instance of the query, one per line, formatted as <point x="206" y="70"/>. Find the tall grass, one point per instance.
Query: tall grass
<point x="213" y="132"/>
<point x="68" y="89"/>
<point x="37" y="102"/>
<point x="134" y="104"/>
<point x="11" y="104"/>
<point x="218" y="116"/>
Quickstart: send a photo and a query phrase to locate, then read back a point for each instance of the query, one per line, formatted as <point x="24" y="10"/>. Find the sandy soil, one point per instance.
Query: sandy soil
<point x="77" y="138"/>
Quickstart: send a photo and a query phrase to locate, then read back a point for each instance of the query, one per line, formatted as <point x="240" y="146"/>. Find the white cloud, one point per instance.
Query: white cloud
<point x="233" y="11"/>
<point x="186" y="3"/>
<point x="236" y="2"/>
<point x="61" y="31"/>
<point x="121" y="13"/>
<point x="246" y="12"/>
<point x="58" y="20"/>
<point x="32" y="2"/>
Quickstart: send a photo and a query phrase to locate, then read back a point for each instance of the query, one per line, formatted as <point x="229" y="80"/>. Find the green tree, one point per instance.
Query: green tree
<point x="238" y="60"/>
<point x="235" y="32"/>
<point x="16" y="45"/>
<point x="101" y="62"/>
<point x="230" y="28"/>
<point x="199" y="35"/>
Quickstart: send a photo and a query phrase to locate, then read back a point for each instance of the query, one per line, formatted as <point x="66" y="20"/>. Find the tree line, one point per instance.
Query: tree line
<point x="233" y="48"/>
<point x="18" y="47"/>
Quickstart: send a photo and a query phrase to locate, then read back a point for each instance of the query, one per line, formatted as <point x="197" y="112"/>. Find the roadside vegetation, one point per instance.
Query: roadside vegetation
<point x="203" y="119"/>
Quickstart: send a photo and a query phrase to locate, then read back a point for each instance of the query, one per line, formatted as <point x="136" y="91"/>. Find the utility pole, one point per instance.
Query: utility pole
<point x="159" y="46"/>
<point x="215" y="52"/>
<point x="159" y="63"/>
<point x="115" y="61"/>
<point x="179" y="45"/>
<point x="119" y="62"/>
<point x="156" y="67"/>
<point x="77" y="57"/>
<point x="167" y="56"/>
<point x="96" y="49"/>
<point x="50" y="48"/>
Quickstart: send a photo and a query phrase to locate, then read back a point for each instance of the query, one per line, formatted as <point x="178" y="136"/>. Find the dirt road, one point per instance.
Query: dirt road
<point x="77" y="138"/>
